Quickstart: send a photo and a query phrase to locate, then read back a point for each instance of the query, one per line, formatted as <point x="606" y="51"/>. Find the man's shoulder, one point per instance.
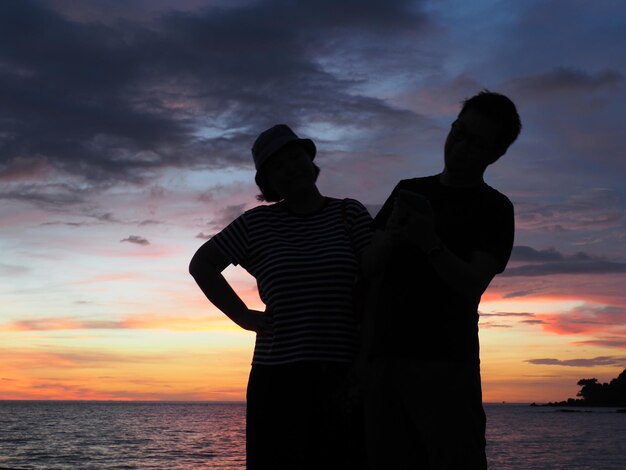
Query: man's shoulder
<point x="419" y="183"/>
<point x="495" y="197"/>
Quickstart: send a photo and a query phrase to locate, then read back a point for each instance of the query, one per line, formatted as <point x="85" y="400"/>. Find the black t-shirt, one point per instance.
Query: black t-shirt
<point x="421" y="316"/>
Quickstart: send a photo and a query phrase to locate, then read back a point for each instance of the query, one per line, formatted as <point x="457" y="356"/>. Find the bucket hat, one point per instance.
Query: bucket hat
<point x="273" y="139"/>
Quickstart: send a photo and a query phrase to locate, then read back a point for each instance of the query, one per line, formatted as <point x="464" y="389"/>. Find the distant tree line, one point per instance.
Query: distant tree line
<point x="593" y="393"/>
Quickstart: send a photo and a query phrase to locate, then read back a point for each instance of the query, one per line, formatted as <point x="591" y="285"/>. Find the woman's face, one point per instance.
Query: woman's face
<point x="290" y="170"/>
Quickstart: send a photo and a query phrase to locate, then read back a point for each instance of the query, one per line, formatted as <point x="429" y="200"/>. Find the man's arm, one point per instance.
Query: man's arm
<point x="206" y="267"/>
<point x="468" y="279"/>
<point x="418" y="228"/>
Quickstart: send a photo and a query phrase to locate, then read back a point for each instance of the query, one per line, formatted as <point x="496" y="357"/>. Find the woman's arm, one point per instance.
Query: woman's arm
<point x="375" y="255"/>
<point x="206" y="267"/>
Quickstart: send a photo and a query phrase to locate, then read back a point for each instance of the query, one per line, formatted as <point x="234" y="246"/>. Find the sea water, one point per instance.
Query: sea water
<point x="122" y="435"/>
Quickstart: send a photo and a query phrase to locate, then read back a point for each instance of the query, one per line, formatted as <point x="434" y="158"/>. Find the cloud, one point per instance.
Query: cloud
<point x="577" y="264"/>
<point x="592" y="210"/>
<point x="50" y="195"/>
<point x="11" y="270"/>
<point x="508" y="314"/>
<point x="565" y="80"/>
<point x="550" y="262"/>
<point x="593" y="362"/>
<point x="226" y="215"/>
<point x="606" y="342"/>
<point x="145" y="222"/>
<point x="138" y="321"/>
<point x="526" y="253"/>
<point x="136" y="239"/>
<point x="204" y="236"/>
<point x="586" y="320"/>
<point x="104" y="102"/>
<point x="56" y="323"/>
<point x="24" y="168"/>
<point x="487" y="319"/>
<point x="70" y="359"/>
<point x="521" y="293"/>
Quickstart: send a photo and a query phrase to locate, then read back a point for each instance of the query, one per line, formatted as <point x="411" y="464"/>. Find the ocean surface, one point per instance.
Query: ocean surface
<point x="114" y="435"/>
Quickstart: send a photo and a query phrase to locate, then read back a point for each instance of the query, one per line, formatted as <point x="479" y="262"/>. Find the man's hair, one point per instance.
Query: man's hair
<point x="499" y="109"/>
<point x="268" y="194"/>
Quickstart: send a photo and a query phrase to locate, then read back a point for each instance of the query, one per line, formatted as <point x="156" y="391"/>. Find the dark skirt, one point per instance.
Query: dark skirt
<point x="298" y="417"/>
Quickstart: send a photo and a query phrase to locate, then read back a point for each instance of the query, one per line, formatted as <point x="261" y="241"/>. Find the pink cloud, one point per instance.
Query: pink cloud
<point x="173" y="322"/>
<point x="606" y="342"/>
<point x="586" y="320"/>
<point x="596" y="209"/>
<point x="24" y="168"/>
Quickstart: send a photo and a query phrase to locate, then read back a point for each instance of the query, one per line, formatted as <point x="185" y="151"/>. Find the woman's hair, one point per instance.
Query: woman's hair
<point x="268" y="194"/>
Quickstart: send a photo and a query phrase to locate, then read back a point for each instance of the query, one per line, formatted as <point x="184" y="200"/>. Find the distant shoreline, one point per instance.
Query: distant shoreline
<point x="165" y="402"/>
<point x="578" y="404"/>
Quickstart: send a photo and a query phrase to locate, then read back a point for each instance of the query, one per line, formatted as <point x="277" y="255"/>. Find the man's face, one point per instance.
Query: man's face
<point x="472" y="143"/>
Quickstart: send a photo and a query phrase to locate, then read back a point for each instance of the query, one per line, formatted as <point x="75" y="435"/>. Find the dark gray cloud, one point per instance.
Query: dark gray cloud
<point x="52" y="196"/>
<point x="105" y="218"/>
<point x="489" y="320"/>
<point x="526" y="253"/>
<point x="204" y="236"/>
<point x="226" y="215"/>
<point x="521" y="293"/>
<point x="572" y="266"/>
<point x="508" y="314"/>
<point x="145" y="222"/>
<point x="591" y="210"/>
<point x="120" y="100"/>
<point x="564" y="80"/>
<point x="592" y="362"/>
<point x="548" y="262"/>
<point x="606" y="342"/>
<point x="136" y="239"/>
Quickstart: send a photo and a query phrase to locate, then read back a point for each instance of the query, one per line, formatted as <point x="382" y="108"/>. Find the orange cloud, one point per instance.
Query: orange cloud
<point x="93" y="374"/>
<point x="172" y="322"/>
<point x="586" y="320"/>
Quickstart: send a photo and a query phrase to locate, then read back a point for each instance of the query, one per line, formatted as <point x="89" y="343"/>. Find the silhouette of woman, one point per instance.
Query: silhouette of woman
<point x="303" y="252"/>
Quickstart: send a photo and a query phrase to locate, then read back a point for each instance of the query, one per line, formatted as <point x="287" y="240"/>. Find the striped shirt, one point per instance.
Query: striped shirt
<point x="305" y="267"/>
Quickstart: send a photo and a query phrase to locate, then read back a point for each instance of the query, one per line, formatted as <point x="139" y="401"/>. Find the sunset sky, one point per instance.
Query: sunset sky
<point x="125" y="135"/>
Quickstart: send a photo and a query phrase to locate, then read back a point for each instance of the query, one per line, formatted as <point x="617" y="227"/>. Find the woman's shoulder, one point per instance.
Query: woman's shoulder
<point x="262" y="210"/>
<point x="352" y="208"/>
<point x="255" y="215"/>
<point x="347" y="202"/>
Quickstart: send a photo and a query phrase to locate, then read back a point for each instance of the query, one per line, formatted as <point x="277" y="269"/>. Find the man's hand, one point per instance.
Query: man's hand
<point x="412" y="223"/>
<point x="420" y="230"/>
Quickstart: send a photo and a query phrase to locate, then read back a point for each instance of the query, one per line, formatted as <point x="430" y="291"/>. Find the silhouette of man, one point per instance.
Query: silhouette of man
<point x="439" y="242"/>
